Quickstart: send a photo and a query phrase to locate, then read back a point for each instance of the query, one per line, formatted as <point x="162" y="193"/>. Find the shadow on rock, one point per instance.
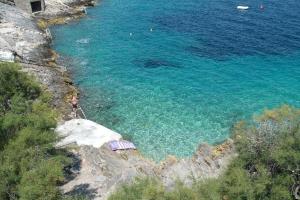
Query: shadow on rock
<point x="72" y="170"/>
<point x="83" y="190"/>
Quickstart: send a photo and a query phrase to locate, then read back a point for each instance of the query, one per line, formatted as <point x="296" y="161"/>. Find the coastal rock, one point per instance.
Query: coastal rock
<point x="52" y="79"/>
<point x="85" y="132"/>
<point x="204" y="164"/>
<point x="56" y="8"/>
<point x="7" y="56"/>
<point x="22" y="41"/>
<point x="101" y="170"/>
<point x="20" y="35"/>
<point x="9" y="2"/>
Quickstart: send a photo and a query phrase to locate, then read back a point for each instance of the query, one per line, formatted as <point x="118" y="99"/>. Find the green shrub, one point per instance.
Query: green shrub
<point x="181" y="192"/>
<point x="141" y="188"/>
<point x="30" y="166"/>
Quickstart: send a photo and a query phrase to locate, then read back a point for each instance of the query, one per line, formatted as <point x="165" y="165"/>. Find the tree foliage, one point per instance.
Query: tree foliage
<point x="30" y="166"/>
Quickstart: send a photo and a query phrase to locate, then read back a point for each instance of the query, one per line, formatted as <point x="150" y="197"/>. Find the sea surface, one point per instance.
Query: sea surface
<point x="171" y="74"/>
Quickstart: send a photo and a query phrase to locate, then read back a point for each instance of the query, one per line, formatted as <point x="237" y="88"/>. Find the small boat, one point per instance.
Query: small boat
<point x="242" y="7"/>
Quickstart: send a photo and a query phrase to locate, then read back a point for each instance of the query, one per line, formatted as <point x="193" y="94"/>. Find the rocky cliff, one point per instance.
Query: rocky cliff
<point x="9" y="2"/>
<point x="97" y="172"/>
<point x="23" y="41"/>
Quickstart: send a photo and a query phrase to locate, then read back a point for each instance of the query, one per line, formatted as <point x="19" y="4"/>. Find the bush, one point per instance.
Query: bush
<point x="269" y="156"/>
<point x="30" y="166"/>
<point x="141" y="188"/>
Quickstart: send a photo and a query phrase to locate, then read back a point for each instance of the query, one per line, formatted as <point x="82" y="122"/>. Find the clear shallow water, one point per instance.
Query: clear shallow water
<point x="204" y="66"/>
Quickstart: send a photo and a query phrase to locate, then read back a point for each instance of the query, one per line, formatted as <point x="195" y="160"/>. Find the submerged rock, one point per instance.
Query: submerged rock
<point x="155" y="63"/>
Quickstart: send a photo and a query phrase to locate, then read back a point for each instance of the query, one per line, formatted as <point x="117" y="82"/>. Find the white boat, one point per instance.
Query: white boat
<point x="242" y="7"/>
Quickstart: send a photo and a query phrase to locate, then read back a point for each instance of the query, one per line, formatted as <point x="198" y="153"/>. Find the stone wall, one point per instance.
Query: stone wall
<point x="26" y="4"/>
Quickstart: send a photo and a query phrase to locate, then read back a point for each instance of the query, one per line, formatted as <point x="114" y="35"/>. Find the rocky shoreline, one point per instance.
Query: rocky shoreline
<point x="23" y="41"/>
<point x="96" y="171"/>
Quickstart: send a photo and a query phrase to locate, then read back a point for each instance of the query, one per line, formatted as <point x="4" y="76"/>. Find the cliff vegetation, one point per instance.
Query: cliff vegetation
<point x="30" y="166"/>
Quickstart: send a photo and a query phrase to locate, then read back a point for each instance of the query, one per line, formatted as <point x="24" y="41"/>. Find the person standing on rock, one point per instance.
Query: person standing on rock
<point x="74" y="103"/>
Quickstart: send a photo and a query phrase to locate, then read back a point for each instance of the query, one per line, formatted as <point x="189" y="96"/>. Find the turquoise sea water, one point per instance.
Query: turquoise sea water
<point x="172" y="74"/>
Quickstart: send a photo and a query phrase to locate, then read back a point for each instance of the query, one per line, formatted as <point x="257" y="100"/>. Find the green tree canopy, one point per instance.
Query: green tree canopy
<point x="30" y="166"/>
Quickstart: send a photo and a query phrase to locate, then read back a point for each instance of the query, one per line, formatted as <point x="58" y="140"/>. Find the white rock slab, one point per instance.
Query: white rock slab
<point x="6" y="56"/>
<point x="85" y="132"/>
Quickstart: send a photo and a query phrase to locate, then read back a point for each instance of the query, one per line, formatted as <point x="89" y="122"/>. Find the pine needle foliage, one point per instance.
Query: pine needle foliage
<point x="30" y="166"/>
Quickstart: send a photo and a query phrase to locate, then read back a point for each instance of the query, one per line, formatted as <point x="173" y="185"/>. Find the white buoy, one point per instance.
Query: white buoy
<point x="151" y="29"/>
<point x="242" y="7"/>
<point x="130" y="34"/>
